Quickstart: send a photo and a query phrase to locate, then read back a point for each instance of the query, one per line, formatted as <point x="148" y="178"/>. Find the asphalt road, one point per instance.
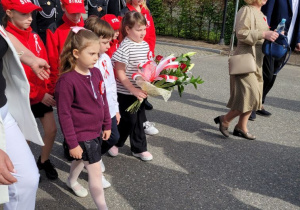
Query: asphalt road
<point x="194" y="166"/>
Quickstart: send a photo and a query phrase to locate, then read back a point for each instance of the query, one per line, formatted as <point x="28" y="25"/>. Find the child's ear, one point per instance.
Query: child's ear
<point x="63" y="8"/>
<point x="127" y="29"/>
<point x="75" y="53"/>
<point x="9" y="13"/>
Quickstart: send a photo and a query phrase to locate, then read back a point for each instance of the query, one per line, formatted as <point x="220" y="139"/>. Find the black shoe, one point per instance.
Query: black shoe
<point x="66" y="151"/>
<point x="222" y="129"/>
<point x="49" y="168"/>
<point x="148" y="106"/>
<point x="239" y="132"/>
<point x="252" y="116"/>
<point x="263" y="112"/>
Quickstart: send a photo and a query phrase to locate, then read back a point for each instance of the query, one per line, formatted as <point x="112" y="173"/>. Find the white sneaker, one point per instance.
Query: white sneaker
<point x="145" y="156"/>
<point x="149" y="128"/>
<point x="114" y="151"/>
<point x="105" y="183"/>
<point x="102" y="166"/>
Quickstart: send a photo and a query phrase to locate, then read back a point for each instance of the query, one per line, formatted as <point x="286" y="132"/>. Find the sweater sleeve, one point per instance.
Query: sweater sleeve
<point x="64" y="98"/>
<point x="244" y="32"/>
<point x="53" y="57"/>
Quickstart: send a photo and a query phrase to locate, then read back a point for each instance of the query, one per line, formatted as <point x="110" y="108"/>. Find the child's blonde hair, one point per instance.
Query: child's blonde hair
<point x="130" y="19"/>
<point x="143" y="4"/>
<point x="80" y="40"/>
<point x="100" y="27"/>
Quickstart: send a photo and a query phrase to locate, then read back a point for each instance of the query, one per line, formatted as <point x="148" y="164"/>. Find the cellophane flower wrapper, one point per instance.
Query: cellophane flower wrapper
<point x="159" y="77"/>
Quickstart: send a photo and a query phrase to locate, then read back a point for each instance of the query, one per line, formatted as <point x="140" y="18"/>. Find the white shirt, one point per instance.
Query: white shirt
<point x="292" y="26"/>
<point x="131" y="54"/>
<point x="106" y="69"/>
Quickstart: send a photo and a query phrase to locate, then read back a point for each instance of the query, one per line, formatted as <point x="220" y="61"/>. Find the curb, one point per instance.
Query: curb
<point x="191" y="47"/>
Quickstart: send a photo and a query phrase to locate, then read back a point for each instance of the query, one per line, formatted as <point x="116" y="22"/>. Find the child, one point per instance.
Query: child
<point x="17" y="21"/>
<point x="105" y="32"/>
<point x="150" y="38"/>
<point x="83" y="110"/>
<point x="140" y="6"/>
<point x="115" y="24"/>
<point x="57" y="33"/>
<point x="132" y="51"/>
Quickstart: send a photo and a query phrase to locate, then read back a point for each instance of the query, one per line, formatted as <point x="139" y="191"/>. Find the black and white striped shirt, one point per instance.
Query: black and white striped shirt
<point x="130" y="53"/>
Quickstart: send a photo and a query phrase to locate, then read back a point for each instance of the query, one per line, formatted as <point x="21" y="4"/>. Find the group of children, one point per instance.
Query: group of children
<point x="90" y="101"/>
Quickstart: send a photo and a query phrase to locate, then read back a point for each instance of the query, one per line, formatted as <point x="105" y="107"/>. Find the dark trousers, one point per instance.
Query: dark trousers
<point x="269" y="68"/>
<point x="131" y="124"/>
<point x="113" y="139"/>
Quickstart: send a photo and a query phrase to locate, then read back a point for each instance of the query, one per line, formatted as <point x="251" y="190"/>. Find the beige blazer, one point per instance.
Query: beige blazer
<point x="17" y="93"/>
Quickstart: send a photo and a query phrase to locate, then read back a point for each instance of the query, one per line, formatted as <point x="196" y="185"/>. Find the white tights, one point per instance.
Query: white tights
<point x="95" y="180"/>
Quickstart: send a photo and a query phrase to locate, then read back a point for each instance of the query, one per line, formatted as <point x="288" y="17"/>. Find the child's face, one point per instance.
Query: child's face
<point x="116" y="34"/>
<point x="104" y="45"/>
<point x="74" y="17"/>
<point x="137" y="33"/>
<point x="20" y="20"/>
<point x="88" y="57"/>
<point x="137" y="2"/>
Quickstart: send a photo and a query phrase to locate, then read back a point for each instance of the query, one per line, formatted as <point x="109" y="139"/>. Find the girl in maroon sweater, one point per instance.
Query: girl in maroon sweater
<point x="83" y="110"/>
<point x="17" y="21"/>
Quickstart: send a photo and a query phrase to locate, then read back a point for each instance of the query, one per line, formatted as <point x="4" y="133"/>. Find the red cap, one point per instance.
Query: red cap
<point x="112" y="20"/>
<point x="23" y="6"/>
<point x="74" y="6"/>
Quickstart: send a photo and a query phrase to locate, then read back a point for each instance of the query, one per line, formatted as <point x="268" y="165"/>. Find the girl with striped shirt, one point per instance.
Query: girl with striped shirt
<point x="132" y="51"/>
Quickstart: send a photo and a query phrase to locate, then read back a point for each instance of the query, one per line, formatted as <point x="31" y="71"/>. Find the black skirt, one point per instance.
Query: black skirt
<point x="91" y="150"/>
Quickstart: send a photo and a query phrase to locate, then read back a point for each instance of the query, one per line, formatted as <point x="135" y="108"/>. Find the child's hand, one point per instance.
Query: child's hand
<point x="76" y="152"/>
<point x="118" y="117"/>
<point x="140" y="94"/>
<point x="48" y="100"/>
<point x="106" y="134"/>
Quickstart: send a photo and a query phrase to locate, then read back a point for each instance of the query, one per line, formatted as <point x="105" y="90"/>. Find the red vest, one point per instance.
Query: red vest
<point x="55" y="40"/>
<point x="150" y="37"/>
<point x="31" y="40"/>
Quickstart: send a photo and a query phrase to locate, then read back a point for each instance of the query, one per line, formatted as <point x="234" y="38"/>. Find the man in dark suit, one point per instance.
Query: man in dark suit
<point x="276" y="10"/>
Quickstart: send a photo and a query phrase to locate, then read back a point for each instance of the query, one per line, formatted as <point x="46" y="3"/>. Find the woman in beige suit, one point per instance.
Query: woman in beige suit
<point x="246" y="89"/>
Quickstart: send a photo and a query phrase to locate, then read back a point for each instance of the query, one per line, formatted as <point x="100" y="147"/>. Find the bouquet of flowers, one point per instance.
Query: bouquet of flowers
<point x="162" y="75"/>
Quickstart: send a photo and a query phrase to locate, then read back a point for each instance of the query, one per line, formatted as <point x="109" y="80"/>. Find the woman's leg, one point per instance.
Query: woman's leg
<point x="95" y="184"/>
<point x="230" y="116"/>
<point x="243" y="121"/>
<point x="22" y="194"/>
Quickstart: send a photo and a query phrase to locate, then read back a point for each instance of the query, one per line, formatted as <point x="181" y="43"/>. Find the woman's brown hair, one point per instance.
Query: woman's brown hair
<point x="130" y="19"/>
<point x="100" y="27"/>
<point x="80" y="40"/>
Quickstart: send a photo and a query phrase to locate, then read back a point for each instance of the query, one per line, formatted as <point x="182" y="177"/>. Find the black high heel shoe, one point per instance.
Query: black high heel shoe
<point x="239" y="132"/>
<point x="223" y="129"/>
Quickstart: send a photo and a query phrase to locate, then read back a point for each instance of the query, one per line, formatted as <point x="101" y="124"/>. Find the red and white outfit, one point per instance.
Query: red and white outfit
<point x="55" y="40"/>
<point x="150" y="37"/>
<point x="31" y="40"/>
<point x="114" y="45"/>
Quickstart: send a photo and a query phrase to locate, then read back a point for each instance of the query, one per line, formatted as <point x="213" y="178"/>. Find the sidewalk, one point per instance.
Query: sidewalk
<point x="216" y="48"/>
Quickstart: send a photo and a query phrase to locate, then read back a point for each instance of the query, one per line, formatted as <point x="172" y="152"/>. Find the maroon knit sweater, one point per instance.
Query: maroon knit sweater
<point x="82" y="117"/>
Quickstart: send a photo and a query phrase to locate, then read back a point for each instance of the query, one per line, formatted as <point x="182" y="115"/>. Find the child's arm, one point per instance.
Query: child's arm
<point x="64" y="95"/>
<point x="53" y="57"/>
<point x="39" y="66"/>
<point x="106" y="135"/>
<point x="76" y="152"/>
<point x="120" y="67"/>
